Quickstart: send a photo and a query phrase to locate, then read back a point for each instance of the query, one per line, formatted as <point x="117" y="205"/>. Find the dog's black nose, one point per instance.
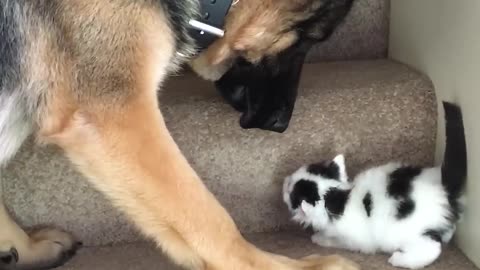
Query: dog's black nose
<point x="274" y="123"/>
<point x="277" y="120"/>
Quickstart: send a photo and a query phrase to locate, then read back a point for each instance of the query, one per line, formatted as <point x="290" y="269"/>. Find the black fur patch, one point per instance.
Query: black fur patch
<point x="335" y="201"/>
<point x="367" y="203"/>
<point x="435" y="235"/>
<point x="266" y="92"/>
<point x="327" y="170"/>
<point x="325" y="20"/>
<point x="304" y="190"/>
<point x="405" y="208"/>
<point x="400" y="188"/>
<point x="10" y="45"/>
<point x="401" y="179"/>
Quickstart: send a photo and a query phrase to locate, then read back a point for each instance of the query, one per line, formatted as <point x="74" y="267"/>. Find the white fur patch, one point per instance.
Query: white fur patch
<point x="378" y="228"/>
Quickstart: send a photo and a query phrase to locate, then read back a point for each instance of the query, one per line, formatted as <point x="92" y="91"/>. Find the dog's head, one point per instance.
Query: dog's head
<point x="257" y="64"/>
<point x="265" y="93"/>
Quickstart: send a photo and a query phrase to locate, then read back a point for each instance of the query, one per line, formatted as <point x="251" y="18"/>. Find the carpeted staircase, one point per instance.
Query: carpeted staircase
<point x="361" y="104"/>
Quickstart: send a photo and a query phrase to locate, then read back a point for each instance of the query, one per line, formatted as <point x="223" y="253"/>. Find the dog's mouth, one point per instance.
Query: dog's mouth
<point x="260" y="106"/>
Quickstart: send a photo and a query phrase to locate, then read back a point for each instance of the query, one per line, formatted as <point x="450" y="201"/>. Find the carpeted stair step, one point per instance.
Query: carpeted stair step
<point x="373" y="111"/>
<point x="363" y="35"/>
<point x="142" y="256"/>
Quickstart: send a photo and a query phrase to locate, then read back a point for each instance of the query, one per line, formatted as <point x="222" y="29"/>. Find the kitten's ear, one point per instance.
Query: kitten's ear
<point x="342" y="170"/>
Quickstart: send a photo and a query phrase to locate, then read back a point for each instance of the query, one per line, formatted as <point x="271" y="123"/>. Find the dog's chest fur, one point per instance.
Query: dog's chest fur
<point x="179" y="13"/>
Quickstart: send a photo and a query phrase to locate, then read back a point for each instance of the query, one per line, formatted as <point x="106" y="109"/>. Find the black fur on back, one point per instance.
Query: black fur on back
<point x="10" y="45"/>
<point x="435" y="235"/>
<point x="400" y="188"/>
<point x="454" y="167"/>
<point x="400" y="185"/>
<point x="368" y="203"/>
<point x="335" y="201"/>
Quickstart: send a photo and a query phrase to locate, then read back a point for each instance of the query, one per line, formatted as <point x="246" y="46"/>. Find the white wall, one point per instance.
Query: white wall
<point x="442" y="39"/>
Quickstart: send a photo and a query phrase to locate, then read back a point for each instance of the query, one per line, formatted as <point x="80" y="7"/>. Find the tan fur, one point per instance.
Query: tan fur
<point x="109" y="125"/>
<point x="254" y="30"/>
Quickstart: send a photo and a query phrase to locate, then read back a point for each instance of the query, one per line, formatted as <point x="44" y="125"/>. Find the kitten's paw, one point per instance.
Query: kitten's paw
<point x="400" y="260"/>
<point x="421" y="254"/>
<point x="396" y="259"/>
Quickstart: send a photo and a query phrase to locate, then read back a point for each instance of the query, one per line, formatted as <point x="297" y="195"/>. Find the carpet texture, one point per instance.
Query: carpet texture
<point x="142" y="256"/>
<point x="363" y="35"/>
<point x="372" y="111"/>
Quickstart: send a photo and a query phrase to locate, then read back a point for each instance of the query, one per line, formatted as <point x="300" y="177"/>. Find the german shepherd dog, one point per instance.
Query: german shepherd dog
<point x="83" y="75"/>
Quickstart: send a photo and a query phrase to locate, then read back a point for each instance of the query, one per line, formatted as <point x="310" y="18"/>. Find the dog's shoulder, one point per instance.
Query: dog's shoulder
<point x="10" y="44"/>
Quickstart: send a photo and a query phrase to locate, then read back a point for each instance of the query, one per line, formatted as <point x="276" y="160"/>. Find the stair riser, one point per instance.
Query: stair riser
<point x="363" y="35"/>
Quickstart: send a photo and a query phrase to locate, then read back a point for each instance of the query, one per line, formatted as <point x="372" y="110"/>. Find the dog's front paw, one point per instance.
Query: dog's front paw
<point x="51" y="248"/>
<point x="8" y="256"/>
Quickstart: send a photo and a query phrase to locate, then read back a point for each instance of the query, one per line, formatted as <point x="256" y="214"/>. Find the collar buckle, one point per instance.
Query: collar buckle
<point x="209" y="27"/>
<point x="206" y="28"/>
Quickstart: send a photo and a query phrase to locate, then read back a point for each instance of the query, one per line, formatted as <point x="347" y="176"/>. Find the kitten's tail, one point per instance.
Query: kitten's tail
<point x="454" y="167"/>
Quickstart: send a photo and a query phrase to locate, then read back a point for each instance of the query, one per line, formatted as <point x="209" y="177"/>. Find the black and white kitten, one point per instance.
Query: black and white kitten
<point x="404" y="210"/>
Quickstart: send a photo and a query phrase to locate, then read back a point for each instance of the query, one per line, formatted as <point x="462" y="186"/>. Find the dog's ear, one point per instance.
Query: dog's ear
<point x="322" y="25"/>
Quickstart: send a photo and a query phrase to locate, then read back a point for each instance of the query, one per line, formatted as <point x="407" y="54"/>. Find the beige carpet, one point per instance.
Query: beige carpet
<point x="144" y="257"/>
<point x="364" y="35"/>
<point x="372" y="111"/>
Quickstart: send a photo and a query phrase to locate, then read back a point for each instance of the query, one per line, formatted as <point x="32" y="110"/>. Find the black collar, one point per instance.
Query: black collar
<point x="209" y="27"/>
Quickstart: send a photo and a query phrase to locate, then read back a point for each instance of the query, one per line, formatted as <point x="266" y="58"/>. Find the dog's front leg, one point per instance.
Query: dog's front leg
<point x="129" y="155"/>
